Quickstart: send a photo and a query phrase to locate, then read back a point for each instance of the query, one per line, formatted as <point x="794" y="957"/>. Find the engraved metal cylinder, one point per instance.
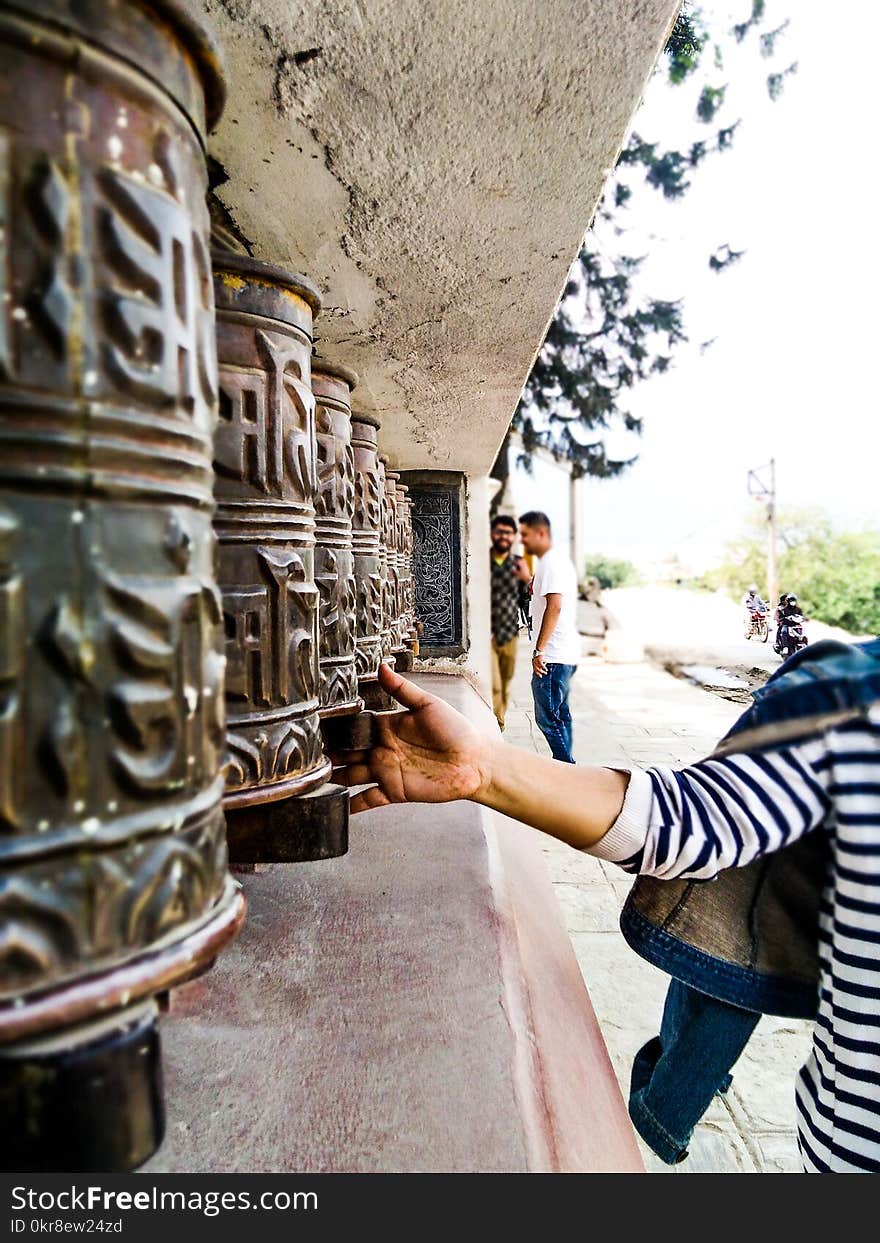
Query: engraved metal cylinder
<point x="265" y="466"/>
<point x="398" y="625"/>
<point x="334" y="558"/>
<point x="386" y="565"/>
<point x="366" y="535"/>
<point x="405" y="564"/>
<point x="113" y="878"/>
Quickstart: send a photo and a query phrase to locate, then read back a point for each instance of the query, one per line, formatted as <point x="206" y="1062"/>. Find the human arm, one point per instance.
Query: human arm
<point x="693" y="823"/>
<point x="432" y="754"/>
<point x="718" y="813"/>
<point x="552" y="609"/>
<point x="523" y="576"/>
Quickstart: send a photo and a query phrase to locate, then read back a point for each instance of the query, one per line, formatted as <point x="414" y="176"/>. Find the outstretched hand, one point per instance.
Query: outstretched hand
<point x="427" y="754"/>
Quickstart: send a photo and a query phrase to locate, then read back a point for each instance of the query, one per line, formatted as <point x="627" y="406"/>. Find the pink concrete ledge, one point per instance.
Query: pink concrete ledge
<point x="413" y="1006"/>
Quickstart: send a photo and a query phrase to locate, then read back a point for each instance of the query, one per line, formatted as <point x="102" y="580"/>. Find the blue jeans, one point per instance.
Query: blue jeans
<point x="675" y="1075"/>
<point x="550" y="694"/>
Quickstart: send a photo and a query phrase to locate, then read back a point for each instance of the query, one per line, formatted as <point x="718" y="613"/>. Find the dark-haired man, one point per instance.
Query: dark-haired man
<point x="557" y="642"/>
<point x="509" y="577"/>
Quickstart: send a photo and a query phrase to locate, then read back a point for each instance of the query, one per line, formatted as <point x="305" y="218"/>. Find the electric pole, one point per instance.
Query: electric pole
<point x="766" y="488"/>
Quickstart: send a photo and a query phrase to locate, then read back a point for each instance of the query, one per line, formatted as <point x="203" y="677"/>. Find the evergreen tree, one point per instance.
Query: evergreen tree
<point x="604" y="338"/>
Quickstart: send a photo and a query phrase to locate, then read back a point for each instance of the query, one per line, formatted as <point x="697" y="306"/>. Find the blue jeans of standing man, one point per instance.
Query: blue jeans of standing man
<point x="550" y="694"/>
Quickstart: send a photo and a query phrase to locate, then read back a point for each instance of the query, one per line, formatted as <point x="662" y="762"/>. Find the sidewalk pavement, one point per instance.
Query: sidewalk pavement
<point x="628" y="715"/>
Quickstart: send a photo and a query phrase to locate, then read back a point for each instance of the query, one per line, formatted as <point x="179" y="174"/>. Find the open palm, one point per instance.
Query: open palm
<point x="428" y="754"/>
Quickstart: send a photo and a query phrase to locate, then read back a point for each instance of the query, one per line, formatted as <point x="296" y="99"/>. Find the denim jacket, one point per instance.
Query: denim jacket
<point x="745" y="943"/>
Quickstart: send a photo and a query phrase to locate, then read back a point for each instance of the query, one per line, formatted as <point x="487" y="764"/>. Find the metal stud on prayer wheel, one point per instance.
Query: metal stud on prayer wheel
<point x="113" y="877"/>
<point x="265" y="465"/>
<point x="334" y="559"/>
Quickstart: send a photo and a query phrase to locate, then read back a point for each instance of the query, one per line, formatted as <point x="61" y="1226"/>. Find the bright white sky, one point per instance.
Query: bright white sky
<point x="791" y="373"/>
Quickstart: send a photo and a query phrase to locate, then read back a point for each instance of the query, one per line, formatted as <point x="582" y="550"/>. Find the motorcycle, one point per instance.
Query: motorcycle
<point x="756" y="626"/>
<point x="791" y="637"/>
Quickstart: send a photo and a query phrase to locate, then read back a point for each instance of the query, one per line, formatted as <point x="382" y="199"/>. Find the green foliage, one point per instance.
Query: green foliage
<point x="724" y="257"/>
<point x="579" y="377"/>
<point x="605" y="337"/>
<point x="709" y="102"/>
<point x="767" y="41"/>
<point x="776" y="81"/>
<point x="684" y="47"/>
<point x="740" y="31"/>
<point x="835" y="574"/>
<point x="611" y="572"/>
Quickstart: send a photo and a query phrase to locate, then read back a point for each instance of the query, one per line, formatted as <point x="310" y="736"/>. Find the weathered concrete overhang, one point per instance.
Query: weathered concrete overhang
<point x="432" y="165"/>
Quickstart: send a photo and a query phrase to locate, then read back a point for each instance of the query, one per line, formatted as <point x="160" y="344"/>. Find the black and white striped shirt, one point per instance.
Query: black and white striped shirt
<point x="721" y="813"/>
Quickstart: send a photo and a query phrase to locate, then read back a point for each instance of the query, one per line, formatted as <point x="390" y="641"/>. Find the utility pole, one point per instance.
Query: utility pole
<point x="760" y="488"/>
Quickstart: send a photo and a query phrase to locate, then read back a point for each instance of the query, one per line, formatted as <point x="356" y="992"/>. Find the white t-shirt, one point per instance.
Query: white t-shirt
<point x="555" y="574"/>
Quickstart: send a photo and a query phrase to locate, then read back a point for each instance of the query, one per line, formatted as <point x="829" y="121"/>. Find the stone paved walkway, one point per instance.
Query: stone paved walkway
<point x="634" y="714"/>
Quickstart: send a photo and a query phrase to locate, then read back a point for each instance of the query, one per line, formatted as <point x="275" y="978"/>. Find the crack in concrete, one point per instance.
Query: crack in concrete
<point x="285" y="63"/>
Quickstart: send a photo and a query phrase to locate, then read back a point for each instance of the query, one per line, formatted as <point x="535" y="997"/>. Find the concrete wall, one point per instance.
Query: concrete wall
<point x="478" y="589"/>
<point x="432" y="165"/>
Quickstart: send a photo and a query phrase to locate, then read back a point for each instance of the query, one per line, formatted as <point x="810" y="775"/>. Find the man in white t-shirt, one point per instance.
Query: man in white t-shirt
<point x="554" y="627"/>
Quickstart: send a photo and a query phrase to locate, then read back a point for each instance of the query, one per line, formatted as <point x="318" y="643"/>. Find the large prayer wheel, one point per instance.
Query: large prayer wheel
<point x="266" y="472"/>
<point x="113" y="877"/>
<point x="334" y="558"/>
<point x="367" y="532"/>
<point x="393" y="533"/>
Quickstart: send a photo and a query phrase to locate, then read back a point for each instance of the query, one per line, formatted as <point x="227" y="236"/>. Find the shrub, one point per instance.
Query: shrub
<point x="611" y="572"/>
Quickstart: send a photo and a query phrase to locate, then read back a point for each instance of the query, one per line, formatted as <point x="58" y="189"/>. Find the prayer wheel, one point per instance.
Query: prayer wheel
<point x="387" y="562"/>
<point x="265" y="463"/>
<point x="399" y="627"/>
<point x="367" y="532"/>
<point x="405" y="569"/>
<point x="334" y="558"/>
<point x="113" y="878"/>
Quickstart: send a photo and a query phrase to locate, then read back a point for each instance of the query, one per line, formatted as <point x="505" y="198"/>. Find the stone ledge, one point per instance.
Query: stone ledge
<point x="413" y="1006"/>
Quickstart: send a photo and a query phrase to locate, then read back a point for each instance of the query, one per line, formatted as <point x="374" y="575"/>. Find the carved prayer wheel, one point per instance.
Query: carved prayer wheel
<point x="399" y="628"/>
<point x="405" y="567"/>
<point x="265" y="465"/>
<point x="387" y="563"/>
<point x="334" y="558"/>
<point x="113" y="877"/>
<point x="367" y="531"/>
<point x="391" y="533"/>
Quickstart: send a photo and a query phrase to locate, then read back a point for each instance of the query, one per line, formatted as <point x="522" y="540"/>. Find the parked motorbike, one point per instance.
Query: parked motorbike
<point x="756" y="626"/>
<point x="792" y="636"/>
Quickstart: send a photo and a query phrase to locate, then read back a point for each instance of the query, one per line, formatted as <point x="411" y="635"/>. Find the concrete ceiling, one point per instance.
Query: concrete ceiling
<point x="432" y="165"/>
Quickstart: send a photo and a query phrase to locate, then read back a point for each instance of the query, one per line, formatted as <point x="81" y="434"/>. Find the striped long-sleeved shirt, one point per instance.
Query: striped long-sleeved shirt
<point x="723" y="813"/>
